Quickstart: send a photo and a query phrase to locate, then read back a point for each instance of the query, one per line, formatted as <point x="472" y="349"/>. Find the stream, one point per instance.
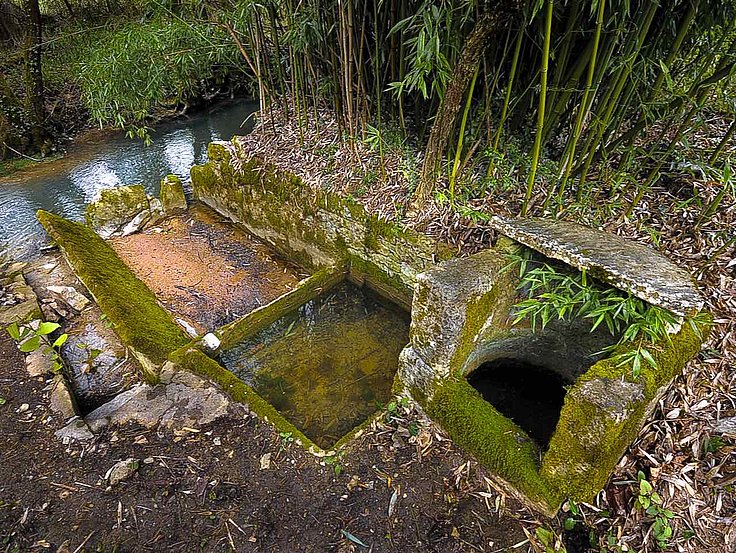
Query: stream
<point x="108" y="160"/>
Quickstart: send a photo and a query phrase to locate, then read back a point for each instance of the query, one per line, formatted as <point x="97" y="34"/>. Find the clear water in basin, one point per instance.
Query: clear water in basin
<point x="330" y="364"/>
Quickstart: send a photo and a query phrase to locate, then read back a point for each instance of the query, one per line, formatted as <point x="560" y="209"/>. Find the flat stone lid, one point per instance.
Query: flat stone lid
<point x="625" y="264"/>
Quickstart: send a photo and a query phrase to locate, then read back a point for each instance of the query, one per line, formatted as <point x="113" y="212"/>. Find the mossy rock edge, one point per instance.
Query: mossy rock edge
<point x="138" y="319"/>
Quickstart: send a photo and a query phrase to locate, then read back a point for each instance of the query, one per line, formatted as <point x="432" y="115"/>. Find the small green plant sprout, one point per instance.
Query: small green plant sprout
<point x="393" y="409"/>
<point x="548" y="540"/>
<point x="713" y="444"/>
<point x="30" y="339"/>
<point x="574" y="516"/>
<point x="651" y="503"/>
<point x="92" y="354"/>
<point x="335" y="461"/>
<point x="556" y="293"/>
<point x="287" y="438"/>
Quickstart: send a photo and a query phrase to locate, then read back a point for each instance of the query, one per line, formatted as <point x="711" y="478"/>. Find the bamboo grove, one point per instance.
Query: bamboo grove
<point x="582" y="82"/>
<point x="587" y="84"/>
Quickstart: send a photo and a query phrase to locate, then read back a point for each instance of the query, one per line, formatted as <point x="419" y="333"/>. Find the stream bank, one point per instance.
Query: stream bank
<point x="107" y="159"/>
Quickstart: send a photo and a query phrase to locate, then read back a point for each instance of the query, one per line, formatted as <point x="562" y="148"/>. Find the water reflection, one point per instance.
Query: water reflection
<point x="66" y="186"/>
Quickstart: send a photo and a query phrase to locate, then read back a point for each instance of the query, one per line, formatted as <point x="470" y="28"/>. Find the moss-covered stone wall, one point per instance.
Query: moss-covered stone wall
<point x="141" y="323"/>
<point x="313" y="227"/>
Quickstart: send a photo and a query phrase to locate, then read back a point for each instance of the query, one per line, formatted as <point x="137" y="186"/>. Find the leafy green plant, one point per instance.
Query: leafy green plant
<point x="557" y="294"/>
<point x="573" y="517"/>
<point x="651" y="503"/>
<point x="92" y="354"/>
<point x="551" y="542"/>
<point x="713" y="444"/>
<point x="287" y="438"/>
<point x="335" y="461"/>
<point x="30" y="340"/>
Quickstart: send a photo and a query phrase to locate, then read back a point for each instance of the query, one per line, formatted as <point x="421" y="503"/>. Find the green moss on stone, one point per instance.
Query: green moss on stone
<point x="138" y="319"/>
<point x="116" y="206"/>
<point x="389" y="285"/>
<point x="495" y="440"/>
<point x="172" y="194"/>
<point x="263" y="317"/>
<point x="589" y="440"/>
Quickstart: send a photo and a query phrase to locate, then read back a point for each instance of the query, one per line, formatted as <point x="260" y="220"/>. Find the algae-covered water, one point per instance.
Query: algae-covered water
<point x="329" y="365"/>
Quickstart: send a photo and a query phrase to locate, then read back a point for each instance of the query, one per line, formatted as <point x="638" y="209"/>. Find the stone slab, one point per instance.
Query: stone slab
<point x="625" y="264"/>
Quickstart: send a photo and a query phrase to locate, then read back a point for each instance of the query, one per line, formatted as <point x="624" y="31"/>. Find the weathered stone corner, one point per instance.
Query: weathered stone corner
<point x="172" y="195"/>
<point x="454" y="304"/>
<point x="122" y="211"/>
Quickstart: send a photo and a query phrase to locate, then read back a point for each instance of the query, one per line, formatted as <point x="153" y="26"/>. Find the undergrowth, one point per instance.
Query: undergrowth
<point x="554" y="293"/>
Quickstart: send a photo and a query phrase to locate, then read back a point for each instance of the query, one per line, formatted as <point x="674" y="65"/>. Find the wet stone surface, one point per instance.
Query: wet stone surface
<point x="97" y="365"/>
<point x="328" y="366"/>
<point x="95" y="361"/>
<point x="204" y="269"/>
<point x="625" y="264"/>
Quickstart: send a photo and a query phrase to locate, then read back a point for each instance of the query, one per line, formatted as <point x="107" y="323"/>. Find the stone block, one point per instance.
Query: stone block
<point x="172" y="195"/>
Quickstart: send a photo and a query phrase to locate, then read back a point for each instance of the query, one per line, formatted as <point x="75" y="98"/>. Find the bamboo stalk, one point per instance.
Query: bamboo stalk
<point x="583" y="107"/>
<point x="540" y="111"/>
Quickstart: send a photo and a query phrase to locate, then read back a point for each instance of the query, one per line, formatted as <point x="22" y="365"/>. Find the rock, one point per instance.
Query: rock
<point x="121" y="471"/>
<point x="614" y="398"/>
<point x="24" y="311"/>
<point x="70" y="296"/>
<point x="172" y="195"/>
<point x="38" y="363"/>
<point x="61" y="399"/>
<point x="18" y="301"/>
<point x="50" y="313"/>
<point x="726" y="427"/>
<point x="75" y="431"/>
<point x="211" y="341"/>
<point x="122" y="210"/>
<point x="187" y="327"/>
<point x="23" y="408"/>
<point x="14" y="269"/>
<point x="186" y="400"/>
<point x="622" y="263"/>
<point x="265" y="461"/>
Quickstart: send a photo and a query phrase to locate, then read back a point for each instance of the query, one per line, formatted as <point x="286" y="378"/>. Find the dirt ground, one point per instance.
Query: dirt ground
<point x="204" y="269"/>
<point x="204" y="489"/>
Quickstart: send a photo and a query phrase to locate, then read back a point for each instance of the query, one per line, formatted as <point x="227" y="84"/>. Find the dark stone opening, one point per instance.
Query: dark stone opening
<point x="530" y="395"/>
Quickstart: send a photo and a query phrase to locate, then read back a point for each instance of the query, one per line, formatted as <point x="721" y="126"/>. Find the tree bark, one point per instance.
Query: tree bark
<point x="34" y="76"/>
<point x="451" y="103"/>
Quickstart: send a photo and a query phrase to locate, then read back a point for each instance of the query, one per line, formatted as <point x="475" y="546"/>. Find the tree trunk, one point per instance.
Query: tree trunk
<point x="34" y="77"/>
<point x="451" y="103"/>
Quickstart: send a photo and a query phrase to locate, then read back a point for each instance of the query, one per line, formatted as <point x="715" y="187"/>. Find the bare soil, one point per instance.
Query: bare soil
<point x="204" y="269"/>
<point x="204" y="489"/>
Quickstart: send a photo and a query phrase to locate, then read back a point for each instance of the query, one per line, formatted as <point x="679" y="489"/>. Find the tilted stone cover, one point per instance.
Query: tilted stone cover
<point x="622" y="263"/>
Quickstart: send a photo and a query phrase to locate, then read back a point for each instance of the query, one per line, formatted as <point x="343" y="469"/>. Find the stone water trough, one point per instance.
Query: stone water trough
<point x="379" y="310"/>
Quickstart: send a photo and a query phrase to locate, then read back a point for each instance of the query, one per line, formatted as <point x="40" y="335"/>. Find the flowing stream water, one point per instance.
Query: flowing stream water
<point x="107" y="160"/>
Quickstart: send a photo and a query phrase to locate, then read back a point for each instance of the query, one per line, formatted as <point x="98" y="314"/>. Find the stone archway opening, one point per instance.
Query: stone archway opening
<point x="529" y="394"/>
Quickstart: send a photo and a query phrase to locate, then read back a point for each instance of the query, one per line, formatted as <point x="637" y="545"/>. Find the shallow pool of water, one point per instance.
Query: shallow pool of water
<point x="107" y="160"/>
<point x="329" y="365"/>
